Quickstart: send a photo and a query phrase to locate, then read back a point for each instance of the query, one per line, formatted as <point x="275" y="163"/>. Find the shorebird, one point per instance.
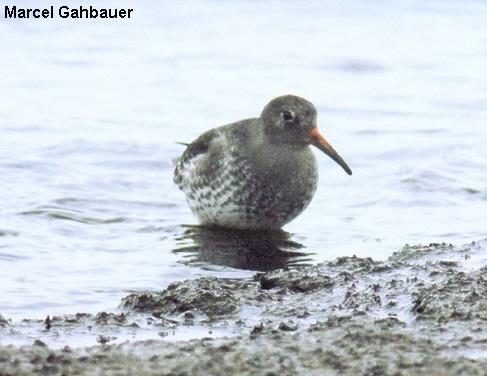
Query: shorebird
<point x="255" y="174"/>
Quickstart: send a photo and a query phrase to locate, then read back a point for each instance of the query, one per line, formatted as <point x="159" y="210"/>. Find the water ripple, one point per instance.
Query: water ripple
<point x="70" y="216"/>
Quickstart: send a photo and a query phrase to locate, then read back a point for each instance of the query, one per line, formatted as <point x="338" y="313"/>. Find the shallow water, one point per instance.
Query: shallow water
<point x="90" y="113"/>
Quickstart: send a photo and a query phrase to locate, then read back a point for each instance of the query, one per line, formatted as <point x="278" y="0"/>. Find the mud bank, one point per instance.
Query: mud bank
<point x="423" y="311"/>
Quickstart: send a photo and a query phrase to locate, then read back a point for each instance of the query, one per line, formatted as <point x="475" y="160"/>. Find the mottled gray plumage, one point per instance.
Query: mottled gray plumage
<point x="256" y="173"/>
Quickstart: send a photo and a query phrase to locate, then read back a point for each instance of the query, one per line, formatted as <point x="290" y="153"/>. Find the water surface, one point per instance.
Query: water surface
<point x="91" y="112"/>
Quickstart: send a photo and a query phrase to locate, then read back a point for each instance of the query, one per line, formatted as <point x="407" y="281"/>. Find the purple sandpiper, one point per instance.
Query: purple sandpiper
<point x="255" y="174"/>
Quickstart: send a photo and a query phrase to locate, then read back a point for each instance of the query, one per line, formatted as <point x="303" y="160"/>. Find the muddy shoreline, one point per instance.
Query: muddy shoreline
<point x="423" y="311"/>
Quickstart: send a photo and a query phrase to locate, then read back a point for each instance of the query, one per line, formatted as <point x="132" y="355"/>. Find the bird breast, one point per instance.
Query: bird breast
<point x="284" y="167"/>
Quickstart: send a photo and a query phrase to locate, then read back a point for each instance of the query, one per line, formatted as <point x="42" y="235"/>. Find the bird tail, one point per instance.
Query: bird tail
<point x="176" y="160"/>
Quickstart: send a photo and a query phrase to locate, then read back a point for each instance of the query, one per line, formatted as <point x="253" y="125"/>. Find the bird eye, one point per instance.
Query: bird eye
<point x="287" y="115"/>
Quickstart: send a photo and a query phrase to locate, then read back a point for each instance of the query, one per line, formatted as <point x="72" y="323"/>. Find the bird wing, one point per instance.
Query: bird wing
<point x="203" y="159"/>
<point x="198" y="157"/>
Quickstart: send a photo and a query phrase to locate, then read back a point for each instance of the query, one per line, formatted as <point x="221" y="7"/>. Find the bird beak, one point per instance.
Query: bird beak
<point x="320" y="142"/>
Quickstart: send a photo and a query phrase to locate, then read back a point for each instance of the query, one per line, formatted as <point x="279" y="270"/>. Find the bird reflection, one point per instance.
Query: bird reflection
<point x="247" y="250"/>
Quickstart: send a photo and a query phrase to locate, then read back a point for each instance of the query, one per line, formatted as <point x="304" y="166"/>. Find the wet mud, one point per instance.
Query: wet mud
<point x="422" y="311"/>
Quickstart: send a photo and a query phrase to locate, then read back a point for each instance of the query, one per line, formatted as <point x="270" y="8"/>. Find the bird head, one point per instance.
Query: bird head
<point x="291" y="120"/>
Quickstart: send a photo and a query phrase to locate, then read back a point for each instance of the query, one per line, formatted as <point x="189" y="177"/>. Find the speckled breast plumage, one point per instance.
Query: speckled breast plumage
<point x="224" y="187"/>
